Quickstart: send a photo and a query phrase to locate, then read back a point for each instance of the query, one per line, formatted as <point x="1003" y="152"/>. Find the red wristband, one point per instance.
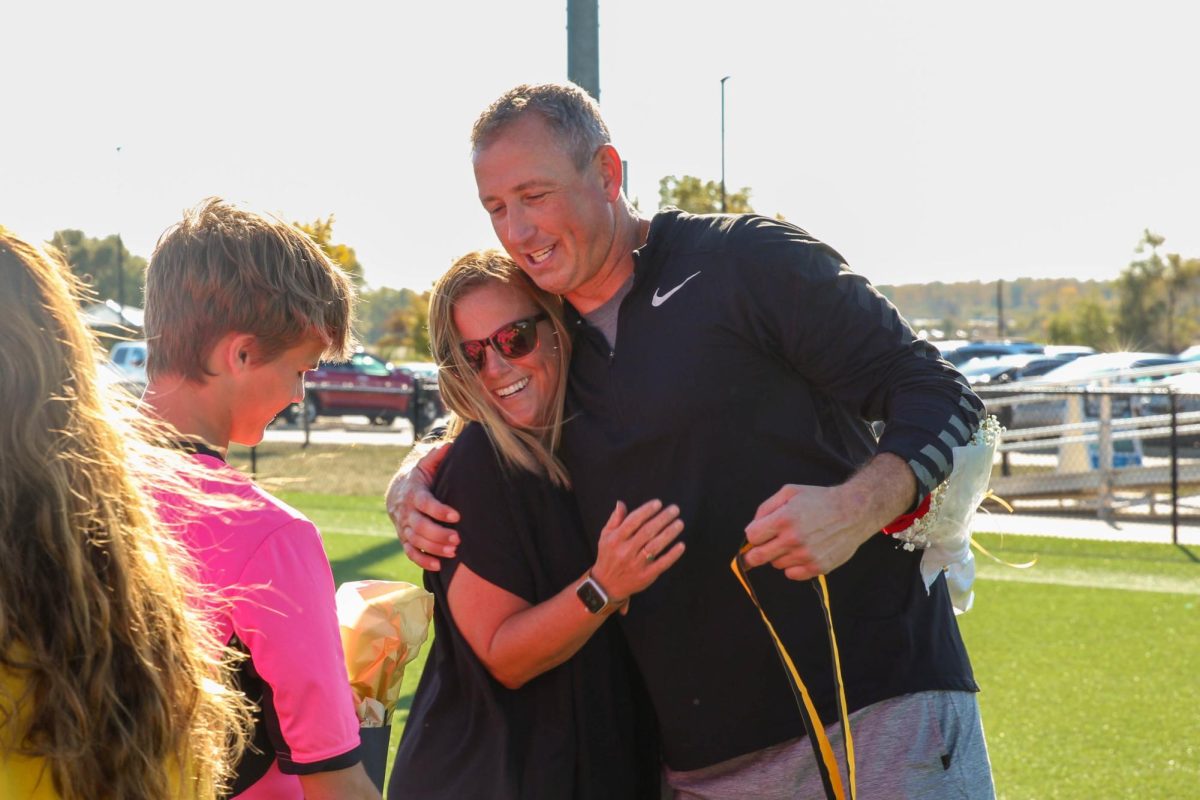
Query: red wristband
<point x="904" y="521"/>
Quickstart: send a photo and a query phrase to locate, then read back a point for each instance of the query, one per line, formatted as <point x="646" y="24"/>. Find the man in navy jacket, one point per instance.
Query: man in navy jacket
<point x="732" y="365"/>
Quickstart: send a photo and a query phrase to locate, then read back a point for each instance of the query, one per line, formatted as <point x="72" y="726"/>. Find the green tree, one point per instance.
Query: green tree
<point x="1059" y="329"/>
<point x="94" y="261"/>
<point x="1094" y="326"/>
<point x="691" y="194"/>
<point x="1158" y="298"/>
<point x="407" y="327"/>
<point x="321" y="231"/>
<point x="375" y="307"/>
<point x="1182" y="278"/>
<point x="1086" y="321"/>
<point x="1141" y="305"/>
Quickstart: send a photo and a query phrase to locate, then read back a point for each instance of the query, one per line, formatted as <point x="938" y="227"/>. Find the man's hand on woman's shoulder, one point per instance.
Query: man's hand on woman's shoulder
<point x="419" y="517"/>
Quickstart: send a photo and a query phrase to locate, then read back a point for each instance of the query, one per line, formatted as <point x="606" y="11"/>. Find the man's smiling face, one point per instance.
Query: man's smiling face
<point x="555" y="220"/>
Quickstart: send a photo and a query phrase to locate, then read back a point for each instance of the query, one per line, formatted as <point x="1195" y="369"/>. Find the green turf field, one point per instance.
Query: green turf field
<point x="1087" y="660"/>
<point x="1088" y="666"/>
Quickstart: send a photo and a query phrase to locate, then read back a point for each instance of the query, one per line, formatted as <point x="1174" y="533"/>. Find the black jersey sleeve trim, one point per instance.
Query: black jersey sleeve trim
<point x="332" y="764"/>
<point x="197" y="447"/>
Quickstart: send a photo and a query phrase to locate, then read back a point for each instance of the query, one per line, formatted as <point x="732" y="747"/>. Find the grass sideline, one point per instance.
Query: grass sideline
<point x="1087" y="685"/>
<point x="1086" y="660"/>
<point x="1087" y="666"/>
<point x="354" y="469"/>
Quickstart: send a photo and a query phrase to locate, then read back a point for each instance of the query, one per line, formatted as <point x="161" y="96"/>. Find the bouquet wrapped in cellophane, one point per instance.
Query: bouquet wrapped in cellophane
<point x="384" y="624"/>
<point x="944" y="530"/>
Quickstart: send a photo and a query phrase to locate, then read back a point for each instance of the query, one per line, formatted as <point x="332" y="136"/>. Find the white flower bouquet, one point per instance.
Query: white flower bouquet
<point x="944" y="530"/>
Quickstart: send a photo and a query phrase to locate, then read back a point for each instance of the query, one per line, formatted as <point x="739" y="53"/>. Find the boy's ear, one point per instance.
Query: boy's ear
<point x="233" y="353"/>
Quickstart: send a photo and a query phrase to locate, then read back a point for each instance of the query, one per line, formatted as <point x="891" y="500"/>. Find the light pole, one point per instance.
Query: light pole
<point x="120" y="247"/>
<point x="727" y="77"/>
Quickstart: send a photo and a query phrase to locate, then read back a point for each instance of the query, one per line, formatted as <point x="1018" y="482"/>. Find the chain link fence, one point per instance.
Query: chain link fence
<point x="1109" y="451"/>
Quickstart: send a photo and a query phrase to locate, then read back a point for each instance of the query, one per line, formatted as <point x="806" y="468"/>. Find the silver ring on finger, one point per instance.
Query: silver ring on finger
<point x="649" y="556"/>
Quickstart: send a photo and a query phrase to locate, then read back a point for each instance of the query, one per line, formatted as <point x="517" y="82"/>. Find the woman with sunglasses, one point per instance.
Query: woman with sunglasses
<point x="528" y="691"/>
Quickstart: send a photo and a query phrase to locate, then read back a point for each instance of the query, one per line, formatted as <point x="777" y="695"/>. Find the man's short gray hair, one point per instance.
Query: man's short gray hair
<point x="569" y="111"/>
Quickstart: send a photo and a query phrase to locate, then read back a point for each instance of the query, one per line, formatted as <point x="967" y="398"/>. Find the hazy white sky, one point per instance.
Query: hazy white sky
<point x="927" y="140"/>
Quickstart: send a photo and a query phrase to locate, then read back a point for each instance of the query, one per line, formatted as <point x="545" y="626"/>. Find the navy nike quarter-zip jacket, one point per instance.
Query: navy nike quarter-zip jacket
<point x="747" y="357"/>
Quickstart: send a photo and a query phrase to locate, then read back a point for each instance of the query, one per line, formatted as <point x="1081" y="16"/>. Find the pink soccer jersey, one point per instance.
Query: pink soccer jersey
<point x="273" y="595"/>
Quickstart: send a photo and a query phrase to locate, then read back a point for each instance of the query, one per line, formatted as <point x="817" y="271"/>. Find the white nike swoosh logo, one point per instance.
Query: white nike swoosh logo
<point x="658" y="299"/>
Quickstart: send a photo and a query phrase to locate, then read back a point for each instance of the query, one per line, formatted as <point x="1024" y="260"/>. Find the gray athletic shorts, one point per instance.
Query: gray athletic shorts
<point x="923" y="745"/>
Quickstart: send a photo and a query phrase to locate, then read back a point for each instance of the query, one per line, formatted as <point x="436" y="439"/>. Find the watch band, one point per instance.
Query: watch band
<point x="593" y="596"/>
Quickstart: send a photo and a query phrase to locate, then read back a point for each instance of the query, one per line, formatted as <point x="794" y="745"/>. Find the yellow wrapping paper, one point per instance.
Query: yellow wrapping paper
<point x="383" y="625"/>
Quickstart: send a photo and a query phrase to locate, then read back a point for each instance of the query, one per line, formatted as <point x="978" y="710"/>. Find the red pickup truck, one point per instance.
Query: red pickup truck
<point x="368" y="386"/>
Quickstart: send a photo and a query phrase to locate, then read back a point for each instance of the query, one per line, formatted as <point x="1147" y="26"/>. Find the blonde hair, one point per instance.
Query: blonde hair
<point x="566" y="108"/>
<point x="124" y="689"/>
<point x="224" y="269"/>
<point x="461" y="387"/>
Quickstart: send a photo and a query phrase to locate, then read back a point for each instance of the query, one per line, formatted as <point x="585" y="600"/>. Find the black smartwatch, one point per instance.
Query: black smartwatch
<point x="593" y="596"/>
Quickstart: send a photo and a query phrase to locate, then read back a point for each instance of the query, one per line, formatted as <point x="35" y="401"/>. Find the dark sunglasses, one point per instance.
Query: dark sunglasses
<point x="514" y="340"/>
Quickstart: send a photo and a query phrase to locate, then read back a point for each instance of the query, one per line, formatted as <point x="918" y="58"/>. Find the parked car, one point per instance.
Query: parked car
<point x="1186" y="386"/>
<point x="422" y="369"/>
<point x="127" y="361"/>
<point x="362" y="385"/>
<point x="945" y="346"/>
<point x="1085" y="371"/>
<point x="429" y="394"/>
<point x="1006" y="369"/>
<point x="1002" y="370"/>
<point x="1103" y="365"/>
<point x="1068" y="352"/>
<point x="991" y="370"/>
<point x="1041" y="365"/>
<point x="1008" y="347"/>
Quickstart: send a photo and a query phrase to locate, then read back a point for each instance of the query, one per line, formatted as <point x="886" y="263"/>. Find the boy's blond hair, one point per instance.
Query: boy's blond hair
<point x="224" y="269"/>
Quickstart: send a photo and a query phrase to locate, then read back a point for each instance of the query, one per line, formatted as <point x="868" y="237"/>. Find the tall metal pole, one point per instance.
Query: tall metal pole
<point x="121" y="278"/>
<point x="1000" y="308"/>
<point x="723" y="206"/>
<point x="120" y="247"/>
<point x="583" y="45"/>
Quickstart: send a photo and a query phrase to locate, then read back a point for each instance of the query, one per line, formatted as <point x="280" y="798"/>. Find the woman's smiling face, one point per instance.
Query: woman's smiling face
<point x="521" y="389"/>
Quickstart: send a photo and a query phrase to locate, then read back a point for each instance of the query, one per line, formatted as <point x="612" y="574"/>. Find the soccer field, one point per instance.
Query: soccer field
<point x="1087" y="660"/>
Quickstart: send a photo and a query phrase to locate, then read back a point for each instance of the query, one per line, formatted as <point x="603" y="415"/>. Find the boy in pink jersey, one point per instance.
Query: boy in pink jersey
<point x="238" y="307"/>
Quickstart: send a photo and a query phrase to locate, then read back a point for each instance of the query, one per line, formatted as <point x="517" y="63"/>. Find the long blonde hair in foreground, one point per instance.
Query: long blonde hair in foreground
<point x="124" y="691"/>
<point x="460" y="385"/>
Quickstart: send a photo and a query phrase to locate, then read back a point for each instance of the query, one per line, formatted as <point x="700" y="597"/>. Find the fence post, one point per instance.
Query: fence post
<point x="304" y="417"/>
<point x="1174" y="468"/>
<point x="1073" y="452"/>
<point x="414" y="410"/>
<point x="1105" y="452"/>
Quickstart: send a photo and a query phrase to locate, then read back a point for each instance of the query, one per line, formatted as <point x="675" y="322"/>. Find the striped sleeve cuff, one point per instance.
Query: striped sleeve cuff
<point x="932" y="463"/>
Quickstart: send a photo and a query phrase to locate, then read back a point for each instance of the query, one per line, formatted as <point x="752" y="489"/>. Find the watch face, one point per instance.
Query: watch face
<point x="593" y="599"/>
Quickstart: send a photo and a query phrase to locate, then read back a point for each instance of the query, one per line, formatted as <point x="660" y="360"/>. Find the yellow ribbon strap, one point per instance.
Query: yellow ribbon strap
<point x="975" y="543"/>
<point x="831" y="776"/>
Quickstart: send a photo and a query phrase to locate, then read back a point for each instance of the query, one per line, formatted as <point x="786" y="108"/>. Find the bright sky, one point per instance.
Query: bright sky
<point x="926" y="140"/>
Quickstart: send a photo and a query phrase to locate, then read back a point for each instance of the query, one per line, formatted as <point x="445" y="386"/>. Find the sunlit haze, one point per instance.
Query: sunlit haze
<point x="929" y="140"/>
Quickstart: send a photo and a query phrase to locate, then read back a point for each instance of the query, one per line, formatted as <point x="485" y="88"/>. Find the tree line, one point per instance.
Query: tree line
<point x="394" y="321"/>
<point x="1154" y="304"/>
